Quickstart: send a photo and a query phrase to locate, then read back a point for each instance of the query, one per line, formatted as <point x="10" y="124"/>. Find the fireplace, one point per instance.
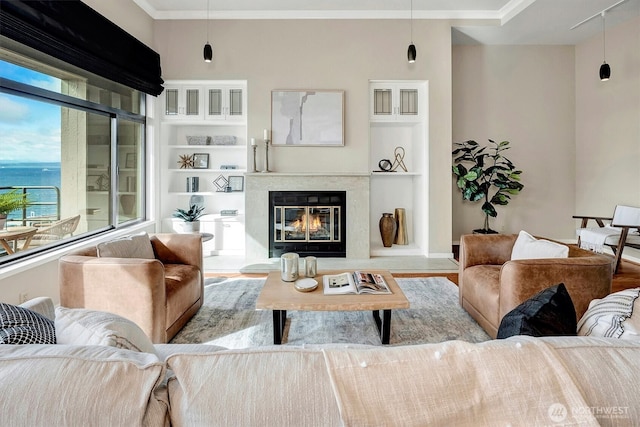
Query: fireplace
<point x="308" y="223"/>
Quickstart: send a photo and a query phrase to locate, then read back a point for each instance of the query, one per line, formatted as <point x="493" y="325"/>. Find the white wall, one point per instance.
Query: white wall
<point x="323" y="54"/>
<point x="523" y="94"/>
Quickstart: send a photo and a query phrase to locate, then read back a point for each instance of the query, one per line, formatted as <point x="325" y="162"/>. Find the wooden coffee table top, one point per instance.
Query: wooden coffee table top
<point x="280" y="295"/>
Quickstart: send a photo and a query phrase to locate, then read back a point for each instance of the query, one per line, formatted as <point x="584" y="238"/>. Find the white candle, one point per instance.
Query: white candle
<point x="266" y="134"/>
<point x="253" y="141"/>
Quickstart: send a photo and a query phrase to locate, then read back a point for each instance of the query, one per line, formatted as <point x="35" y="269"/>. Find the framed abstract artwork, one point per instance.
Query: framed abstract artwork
<point x="307" y="118"/>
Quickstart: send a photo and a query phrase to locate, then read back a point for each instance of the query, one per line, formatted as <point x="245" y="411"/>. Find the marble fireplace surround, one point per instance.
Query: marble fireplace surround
<point x="258" y="185"/>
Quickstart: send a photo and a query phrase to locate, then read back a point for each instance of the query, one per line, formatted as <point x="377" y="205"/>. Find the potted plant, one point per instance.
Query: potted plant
<point x="9" y="202"/>
<point x="481" y="169"/>
<point x="190" y="217"/>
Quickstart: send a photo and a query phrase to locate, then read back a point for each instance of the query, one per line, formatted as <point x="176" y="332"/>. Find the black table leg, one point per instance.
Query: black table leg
<point x="279" y="319"/>
<point x="383" y="324"/>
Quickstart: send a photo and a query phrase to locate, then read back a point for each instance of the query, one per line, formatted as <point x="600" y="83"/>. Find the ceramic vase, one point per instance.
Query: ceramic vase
<point x="191" y="226"/>
<point x="387" y="226"/>
<point x="401" y="227"/>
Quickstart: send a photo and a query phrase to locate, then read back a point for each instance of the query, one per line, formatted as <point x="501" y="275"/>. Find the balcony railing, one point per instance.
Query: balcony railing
<point x="26" y="215"/>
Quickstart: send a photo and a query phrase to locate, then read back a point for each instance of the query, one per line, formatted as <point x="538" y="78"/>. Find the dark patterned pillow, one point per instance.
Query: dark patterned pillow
<point x="548" y="313"/>
<point x="19" y="325"/>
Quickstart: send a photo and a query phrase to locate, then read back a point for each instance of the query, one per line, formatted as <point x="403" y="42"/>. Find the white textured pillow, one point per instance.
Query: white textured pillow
<point x="136" y="246"/>
<point x="528" y="247"/>
<point x="80" y="326"/>
<point x="615" y="316"/>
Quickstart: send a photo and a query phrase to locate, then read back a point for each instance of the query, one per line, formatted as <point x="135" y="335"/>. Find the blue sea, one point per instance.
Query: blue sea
<point x="30" y="174"/>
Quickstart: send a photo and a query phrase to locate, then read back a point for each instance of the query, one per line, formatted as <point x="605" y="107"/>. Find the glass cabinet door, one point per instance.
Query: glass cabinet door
<point x="215" y="103"/>
<point x="382" y="102"/>
<point x="171" y="102"/>
<point x="192" y="102"/>
<point x="235" y="102"/>
<point x="408" y="102"/>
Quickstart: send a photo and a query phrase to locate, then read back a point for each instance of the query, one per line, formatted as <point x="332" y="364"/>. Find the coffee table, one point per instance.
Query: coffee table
<point x="280" y="296"/>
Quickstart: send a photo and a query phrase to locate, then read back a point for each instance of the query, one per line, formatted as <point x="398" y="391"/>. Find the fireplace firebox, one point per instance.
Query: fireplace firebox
<point x="310" y="223"/>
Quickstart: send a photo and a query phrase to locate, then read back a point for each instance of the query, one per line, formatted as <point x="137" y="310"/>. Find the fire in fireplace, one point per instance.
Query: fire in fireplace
<point x="308" y="223"/>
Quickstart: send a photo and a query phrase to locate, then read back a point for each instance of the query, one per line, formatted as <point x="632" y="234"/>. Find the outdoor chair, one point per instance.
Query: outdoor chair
<point x="622" y="229"/>
<point x="55" y="231"/>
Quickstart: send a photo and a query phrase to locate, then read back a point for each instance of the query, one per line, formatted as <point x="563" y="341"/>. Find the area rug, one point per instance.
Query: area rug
<point x="228" y="318"/>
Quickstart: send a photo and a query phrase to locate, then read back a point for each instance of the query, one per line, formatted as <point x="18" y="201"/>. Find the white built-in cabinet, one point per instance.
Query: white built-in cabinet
<point x="217" y="110"/>
<point x="398" y="127"/>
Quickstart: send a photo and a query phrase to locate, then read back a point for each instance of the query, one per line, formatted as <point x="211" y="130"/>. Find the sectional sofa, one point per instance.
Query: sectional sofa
<point x="518" y="381"/>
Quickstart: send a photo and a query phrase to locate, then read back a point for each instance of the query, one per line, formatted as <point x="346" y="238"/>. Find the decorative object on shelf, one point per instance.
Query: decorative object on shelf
<point x="186" y="161"/>
<point x="487" y="168"/>
<point x="198" y="140"/>
<point x="128" y="203"/>
<point x="225" y="140"/>
<point x="9" y="202"/>
<point x="411" y="51"/>
<point x="130" y="161"/>
<point x="310" y="266"/>
<point x="311" y="117"/>
<point x="289" y="266"/>
<point x="266" y="151"/>
<point x="196" y="200"/>
<point x="387" y="225"/>
<point x="229" y="212"/>
<point x="401" y="237"/>
<point x="221" y="183"/>
<point x="236" y="183"/>
<point x="254" y="146"/>
<point x="193" y="184"/>
<point x="98" y="182"/>
<point x="201" y="161"/>
<point x="398" y="154"/>
<point x="385" y="165"/>
<point x="229" y="167"/>
<point x="190" y="217"/>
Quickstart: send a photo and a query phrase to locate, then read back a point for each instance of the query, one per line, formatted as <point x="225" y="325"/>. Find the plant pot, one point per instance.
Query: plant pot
<point x="190" y="227"/>
<point x="387" y="225"/>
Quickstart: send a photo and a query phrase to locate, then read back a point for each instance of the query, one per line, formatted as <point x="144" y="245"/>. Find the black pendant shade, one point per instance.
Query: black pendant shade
<point x="208" y="53"/>
<point x="411" y="53"/>
<point x="605" y="72"/>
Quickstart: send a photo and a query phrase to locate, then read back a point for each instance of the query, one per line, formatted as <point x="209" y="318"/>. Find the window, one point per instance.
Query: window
<point x="74" y="143"/>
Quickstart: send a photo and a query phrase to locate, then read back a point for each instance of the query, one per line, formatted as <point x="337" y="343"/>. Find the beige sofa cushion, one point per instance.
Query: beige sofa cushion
<point x="251" y="388"/>
<point x="59" y="385"/>
<point x="136" y="246"/>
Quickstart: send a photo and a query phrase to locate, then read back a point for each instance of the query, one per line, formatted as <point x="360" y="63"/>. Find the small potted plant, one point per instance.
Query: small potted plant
<point x="9" y="202"/>
<point x="190" y="217"/>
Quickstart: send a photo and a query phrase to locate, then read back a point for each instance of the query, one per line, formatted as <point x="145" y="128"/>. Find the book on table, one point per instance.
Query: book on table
<point x="357" y="282"/>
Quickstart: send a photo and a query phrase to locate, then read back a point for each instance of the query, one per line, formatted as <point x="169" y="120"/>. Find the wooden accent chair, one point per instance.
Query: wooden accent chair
<point x="622" y="230"/>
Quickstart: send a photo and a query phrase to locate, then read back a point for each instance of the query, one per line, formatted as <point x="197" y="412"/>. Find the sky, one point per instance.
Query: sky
<point x="29" y="130"/>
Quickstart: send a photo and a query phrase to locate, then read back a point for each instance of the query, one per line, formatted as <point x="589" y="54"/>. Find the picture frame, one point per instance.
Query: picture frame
<point x="236" y="183"/>
<point x="201" y="161"/>
<point x="130" y="161"/>
<point x="98" y="182"/>
<point x="307" y="118"/>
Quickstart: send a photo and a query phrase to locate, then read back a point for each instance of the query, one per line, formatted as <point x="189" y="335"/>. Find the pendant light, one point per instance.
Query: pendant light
<point x="411" y="52"/>
<point x="605" y="70"/>
<point x="208" y="50"/>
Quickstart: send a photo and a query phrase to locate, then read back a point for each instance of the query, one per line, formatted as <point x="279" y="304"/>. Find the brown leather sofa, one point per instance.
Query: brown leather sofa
<point x="159" y="295"/>
<point x="491" y="285"/>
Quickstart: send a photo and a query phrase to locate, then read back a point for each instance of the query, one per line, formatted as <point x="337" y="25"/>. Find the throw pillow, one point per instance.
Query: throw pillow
<point x="80" y="326"/>
<point x="19" y="325"/>
<point x="136" y="246"/>
<point x="615" y="316"/>
<point x="528" y="247"/>
<point x="548" y="313"/>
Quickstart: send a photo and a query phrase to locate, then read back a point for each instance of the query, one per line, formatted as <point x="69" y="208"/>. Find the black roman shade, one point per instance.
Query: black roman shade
<point x="73" y="32"/>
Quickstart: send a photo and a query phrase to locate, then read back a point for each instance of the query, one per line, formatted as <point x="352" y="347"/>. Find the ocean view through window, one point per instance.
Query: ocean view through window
<point x="73" y="143"/>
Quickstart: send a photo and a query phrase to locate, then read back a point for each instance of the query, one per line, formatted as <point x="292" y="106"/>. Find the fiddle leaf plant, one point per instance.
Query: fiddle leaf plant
<point x="483" y="173"/>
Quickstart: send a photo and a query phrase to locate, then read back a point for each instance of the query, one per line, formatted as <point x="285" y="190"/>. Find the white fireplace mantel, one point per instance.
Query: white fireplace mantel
<point x="258" y="185"/>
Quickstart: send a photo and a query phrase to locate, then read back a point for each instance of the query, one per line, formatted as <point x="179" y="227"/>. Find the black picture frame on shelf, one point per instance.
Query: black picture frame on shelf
<point x="236" y="183"/>
<point x="201" y="161"/>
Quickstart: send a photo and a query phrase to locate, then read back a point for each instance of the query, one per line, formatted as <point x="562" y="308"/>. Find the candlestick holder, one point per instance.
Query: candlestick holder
<point x="255" y="169"/>
<point x="266" y="156"/>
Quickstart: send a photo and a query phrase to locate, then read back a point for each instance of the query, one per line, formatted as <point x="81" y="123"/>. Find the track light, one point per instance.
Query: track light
<point x="207" y="52"/>
<point x="411" y="51"/>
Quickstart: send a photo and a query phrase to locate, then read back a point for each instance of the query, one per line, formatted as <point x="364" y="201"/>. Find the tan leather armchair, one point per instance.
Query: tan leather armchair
<point x="160" y="295"/>
<point x="491" y="285"/>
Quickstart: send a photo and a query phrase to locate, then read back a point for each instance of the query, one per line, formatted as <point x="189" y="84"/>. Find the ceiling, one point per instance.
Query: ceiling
<point x="476" y="21"/>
